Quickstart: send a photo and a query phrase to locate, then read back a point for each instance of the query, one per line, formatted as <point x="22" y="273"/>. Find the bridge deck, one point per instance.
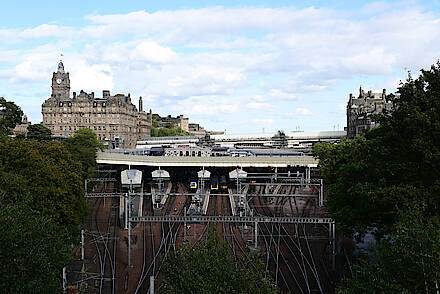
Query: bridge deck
<point x="138" y="160"/>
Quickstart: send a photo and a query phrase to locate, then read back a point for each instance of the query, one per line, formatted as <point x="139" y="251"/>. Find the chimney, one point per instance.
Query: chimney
<point x="92" y="95"/>
<point x="384" y="93"/>
<point x="74" y="95"/>
<point x="140" y="104"/>
<point x="105" y="93"/>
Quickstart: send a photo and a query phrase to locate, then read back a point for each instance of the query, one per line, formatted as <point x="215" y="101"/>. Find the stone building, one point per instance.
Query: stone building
<point x="360" y="109"/>
<point x="22" y="129"/>
<point x="196" y="129"/>
<point x="114" y="119"/>
<point x="177" y="122"/>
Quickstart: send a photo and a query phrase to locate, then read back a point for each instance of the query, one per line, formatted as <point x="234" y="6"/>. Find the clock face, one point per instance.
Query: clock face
<point x="59" y="81"/>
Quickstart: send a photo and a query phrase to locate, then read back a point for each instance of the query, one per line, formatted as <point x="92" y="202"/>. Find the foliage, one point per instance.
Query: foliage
<point x="33" y="247"/>
<point x="39" y="132"/>
<point x="168" y="132"/>
<point x="370" y="178"/>
<point x="208" y="267"/>
<point x="83" y="146"/>
<point x="10" y="116"/>
<point x="406" y="262"/>
<point x="52" y="176"/>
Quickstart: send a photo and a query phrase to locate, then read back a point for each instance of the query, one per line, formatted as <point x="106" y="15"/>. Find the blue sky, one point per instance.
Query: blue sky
<point x="243" y="66"/>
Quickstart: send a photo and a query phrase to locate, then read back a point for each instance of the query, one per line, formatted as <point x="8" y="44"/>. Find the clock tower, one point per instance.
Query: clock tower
<point x="60" y="83"/>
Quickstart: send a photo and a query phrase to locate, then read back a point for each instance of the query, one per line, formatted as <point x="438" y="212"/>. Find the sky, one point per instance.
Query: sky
<point x="240" y="66"/>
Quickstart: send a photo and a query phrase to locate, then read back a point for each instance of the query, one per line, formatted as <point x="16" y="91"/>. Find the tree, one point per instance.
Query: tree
<point x="33" y="247"/>
<point x="371" y="178"/>
<point x="208" y="267"/>
<point x="83" y="146"/>
<point x="39" y="132"/>
<point x="51" y="176"/>
<point x="406" y="262"/>
<point x="10" y="116"/>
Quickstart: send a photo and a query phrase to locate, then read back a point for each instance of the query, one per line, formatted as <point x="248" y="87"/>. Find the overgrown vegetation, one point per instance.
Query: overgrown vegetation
<point x="389" y="182"/>
<point x="209" y="267"/>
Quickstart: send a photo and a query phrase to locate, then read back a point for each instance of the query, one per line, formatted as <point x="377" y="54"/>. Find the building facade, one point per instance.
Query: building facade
<point x="360" y="109"/>
<point x="114" y="119"/>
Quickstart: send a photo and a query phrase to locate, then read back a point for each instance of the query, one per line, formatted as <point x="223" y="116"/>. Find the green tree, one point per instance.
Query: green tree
<point x="208" y="267"/>
<point x="53" y="178"/>
<point x="406" y="262"/>
<point x="83" y="146"/>
<point x="39" y="132"/>
<point x="370" y="178"/>
<point x="33" y="247"/>
<point x="10" y="116"/>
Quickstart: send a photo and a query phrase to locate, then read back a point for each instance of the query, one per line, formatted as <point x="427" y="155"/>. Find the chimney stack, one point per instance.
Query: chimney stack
<point x="140" y="104"/>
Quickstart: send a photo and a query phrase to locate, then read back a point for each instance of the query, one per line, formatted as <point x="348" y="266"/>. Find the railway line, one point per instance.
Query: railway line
<point x="294" y="254"/>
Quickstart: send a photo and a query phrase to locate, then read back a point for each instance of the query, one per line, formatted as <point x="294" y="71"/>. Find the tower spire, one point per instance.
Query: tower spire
<point x="61" y="67"/>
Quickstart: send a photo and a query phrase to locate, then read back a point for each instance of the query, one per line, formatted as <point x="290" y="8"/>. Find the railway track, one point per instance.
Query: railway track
<point x="162" y="239"/>
<point x="291" y="261"/>
<point x="296" y="261"/>
<point x="101" y="233"/>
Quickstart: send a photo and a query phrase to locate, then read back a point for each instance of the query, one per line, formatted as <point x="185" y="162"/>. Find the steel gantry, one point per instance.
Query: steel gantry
<point x="256" y="220"/>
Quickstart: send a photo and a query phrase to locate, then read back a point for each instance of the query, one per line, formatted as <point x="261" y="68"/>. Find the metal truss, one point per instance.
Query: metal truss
<point x="233" y="219"/>
<point x="97" y="195"/>
<point x="101" y="180"/>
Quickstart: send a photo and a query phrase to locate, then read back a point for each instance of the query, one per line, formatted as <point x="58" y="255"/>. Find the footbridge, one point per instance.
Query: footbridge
<point x="163" y="161"/>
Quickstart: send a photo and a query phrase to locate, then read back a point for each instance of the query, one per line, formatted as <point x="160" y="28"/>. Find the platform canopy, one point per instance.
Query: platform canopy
<point x="160" y="174"/>
<point x="241" y="174"/>
<point x="204" y="174"/>
<point x="131" y="177"/>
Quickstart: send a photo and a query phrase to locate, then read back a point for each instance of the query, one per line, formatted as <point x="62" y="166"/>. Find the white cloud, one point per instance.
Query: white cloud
<point x="260" y="106"/>
<point x="150" y="51"/>
<point x="281" y="95"/>
<point x="263" y="121"/>
<point x="221" y="60"/>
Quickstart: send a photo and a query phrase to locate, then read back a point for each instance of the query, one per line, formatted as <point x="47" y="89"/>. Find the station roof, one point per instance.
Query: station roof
<point x="224" y="161"/>
<point x="289" y="135"/>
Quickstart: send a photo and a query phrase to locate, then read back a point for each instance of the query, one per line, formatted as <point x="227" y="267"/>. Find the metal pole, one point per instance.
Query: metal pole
<point x="184" y="224"/>
<point x="64" y="279"/>
<point x="333" y="246"/>
<point x="256" y="235"/>
<point x="151" y="285"/>
<point x="129" y="225"/>
<point x="126" y="210"/>
<point x="82" y="244"/>
<point x="321" y="193"/>
<point x="85" y="186"/>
